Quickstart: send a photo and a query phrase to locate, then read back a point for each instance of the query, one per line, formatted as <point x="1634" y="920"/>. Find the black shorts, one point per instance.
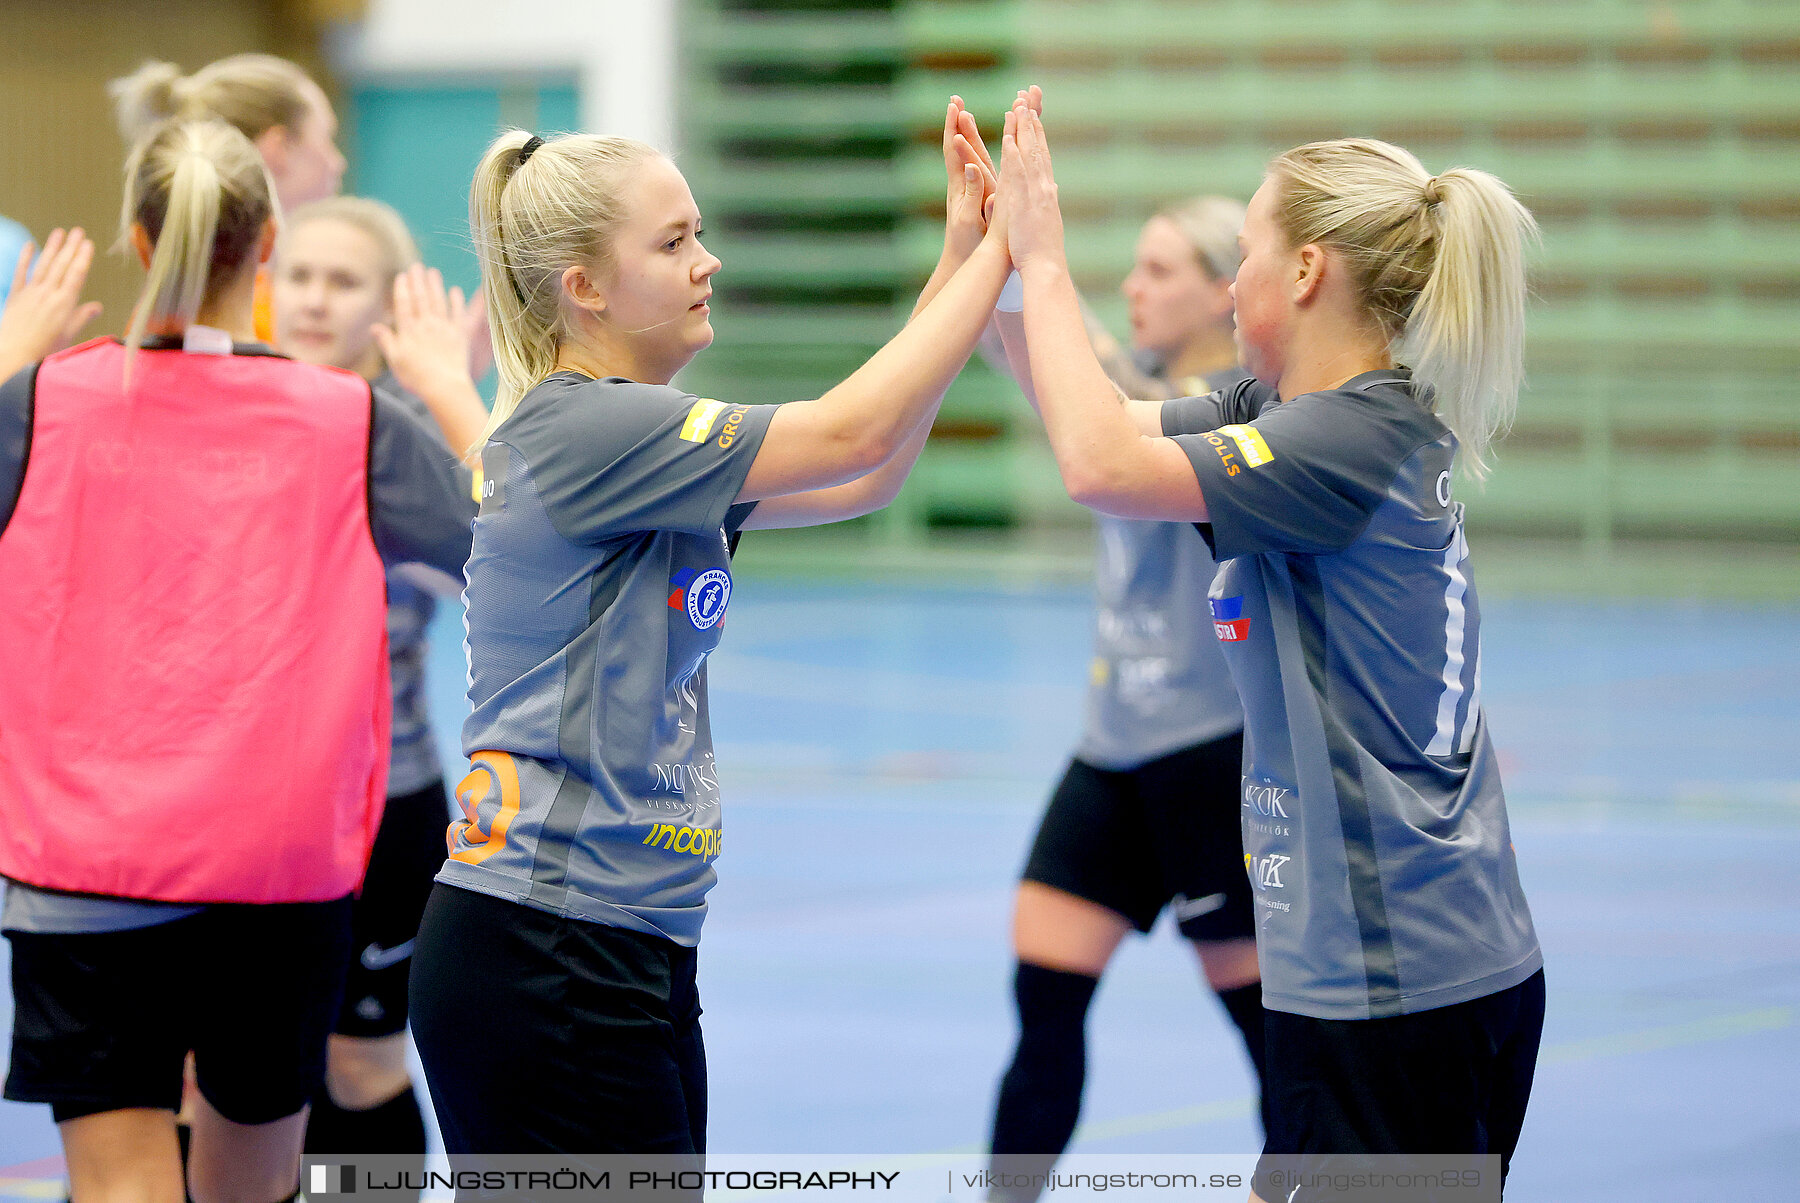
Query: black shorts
<point x="103" y="1020"/>
<point x="1451" y="1080"/>
<point x="384" y="920"/>
<point x="1137" y="840"/>
<point x="542" y="1034"/>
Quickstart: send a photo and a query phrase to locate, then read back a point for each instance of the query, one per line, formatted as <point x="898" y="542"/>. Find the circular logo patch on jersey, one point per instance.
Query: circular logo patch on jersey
<point x="706" y="598"/>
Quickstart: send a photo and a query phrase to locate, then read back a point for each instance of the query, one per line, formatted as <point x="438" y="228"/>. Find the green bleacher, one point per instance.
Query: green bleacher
<point x="1659" y="144"/>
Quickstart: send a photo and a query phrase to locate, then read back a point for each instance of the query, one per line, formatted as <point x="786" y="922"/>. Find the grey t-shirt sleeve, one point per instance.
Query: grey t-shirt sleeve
<point x="1191" y="415"/>
<point x="421" y="500"/>
<point x="736" y="516"/>
<point x="15" y="437"/>
<point x="613" y="457"/>
<point x="1304" y="478"/>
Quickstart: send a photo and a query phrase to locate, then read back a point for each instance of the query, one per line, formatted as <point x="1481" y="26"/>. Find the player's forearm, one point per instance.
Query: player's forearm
<point x="948" y="264"/>
<point x="1092" y="438"/>
<point x="878" y="489"/>
<point x="1013" y="344"/>
<point x="883" y="402"/>
<point x="458" y="410"/>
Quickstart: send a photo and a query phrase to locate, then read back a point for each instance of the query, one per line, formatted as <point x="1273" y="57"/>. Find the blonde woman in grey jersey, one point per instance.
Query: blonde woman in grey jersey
<point x="1401" y="971"/>
<point x="568" y="914"/>
<point x="1161" y="747"/>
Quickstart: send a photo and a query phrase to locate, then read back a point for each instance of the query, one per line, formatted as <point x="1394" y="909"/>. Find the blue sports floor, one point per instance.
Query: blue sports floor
<point x="884" y="752"/>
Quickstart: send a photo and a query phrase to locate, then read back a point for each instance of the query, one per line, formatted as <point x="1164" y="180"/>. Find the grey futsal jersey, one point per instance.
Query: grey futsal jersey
<point x="598" y="584"/>
<point x="1375" y="830"/>
<point x="1157" y="682"/>
<point x="413" y="760"/>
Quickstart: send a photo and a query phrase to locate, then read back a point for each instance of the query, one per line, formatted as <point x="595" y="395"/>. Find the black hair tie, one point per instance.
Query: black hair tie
<point x="530" y="147"/>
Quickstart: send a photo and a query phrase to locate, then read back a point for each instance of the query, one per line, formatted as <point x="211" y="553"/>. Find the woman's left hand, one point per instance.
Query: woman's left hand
<point x="428" y="342"/>
<point x="971" y="183"/>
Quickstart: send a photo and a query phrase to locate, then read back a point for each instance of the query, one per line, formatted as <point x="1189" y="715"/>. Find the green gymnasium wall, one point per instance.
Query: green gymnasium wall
<point x="414" y="143"/>
<point x="1658" y="143"/>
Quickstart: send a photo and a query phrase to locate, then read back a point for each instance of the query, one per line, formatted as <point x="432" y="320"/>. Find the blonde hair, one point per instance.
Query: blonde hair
<point x="202" y="194"/>
<point x="252" y="92"/>
<point x="532" y="219"/>
<point x="1438" y="262"/>
<point x="1211" y="225"/>
<point x="379" y="220"/>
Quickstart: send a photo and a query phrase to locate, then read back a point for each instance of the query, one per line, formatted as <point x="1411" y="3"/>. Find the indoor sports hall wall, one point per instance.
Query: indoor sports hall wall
<point x="1659" y="144"/>
<point x="62" y="153"/>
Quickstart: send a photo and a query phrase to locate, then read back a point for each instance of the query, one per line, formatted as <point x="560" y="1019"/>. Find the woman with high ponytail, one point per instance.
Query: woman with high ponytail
<point x="1380" y="310"/>
<point x="269" y="100"/>
<point x="569" y="910"/>
<point x="194" y="530"/>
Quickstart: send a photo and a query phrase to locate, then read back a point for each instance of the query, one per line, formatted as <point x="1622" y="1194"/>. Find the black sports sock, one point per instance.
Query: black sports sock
<point x="395" y="1127"/>
<point x="1040" y="1095"/>
<point x="1245" y="1006"/>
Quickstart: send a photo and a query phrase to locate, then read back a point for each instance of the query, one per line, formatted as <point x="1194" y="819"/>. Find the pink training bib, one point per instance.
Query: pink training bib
<point x="195" y="702"/>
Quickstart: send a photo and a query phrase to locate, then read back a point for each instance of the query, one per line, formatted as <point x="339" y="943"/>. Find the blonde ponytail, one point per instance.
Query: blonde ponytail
<point x="532" y="217"/>
<point x="1466" y="334"/>
<point x="202" y="195"/>
<point x="252" y="92"/>
<point x="146" y="98"/>
<point x="1439" y="262"/>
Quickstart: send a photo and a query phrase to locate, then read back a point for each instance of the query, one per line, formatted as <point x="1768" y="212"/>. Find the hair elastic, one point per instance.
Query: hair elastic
<point x="531" y="145"/>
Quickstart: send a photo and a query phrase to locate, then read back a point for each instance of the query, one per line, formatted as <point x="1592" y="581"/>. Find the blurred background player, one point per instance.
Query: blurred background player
<point x="340" y="263"/>
<point x="1146" y="814"/>
<point x="270" y="101"/>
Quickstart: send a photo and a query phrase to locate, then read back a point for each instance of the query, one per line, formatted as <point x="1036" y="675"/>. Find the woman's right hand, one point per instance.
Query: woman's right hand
<point x="1034" y="227"/>
<point x="428" y="341"/>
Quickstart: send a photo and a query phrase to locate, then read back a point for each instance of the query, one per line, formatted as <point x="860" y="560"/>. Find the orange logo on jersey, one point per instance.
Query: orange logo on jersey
<point x="728" y="433"/>
<point x="1227" y="456"/>
<point x="493" y="778"/>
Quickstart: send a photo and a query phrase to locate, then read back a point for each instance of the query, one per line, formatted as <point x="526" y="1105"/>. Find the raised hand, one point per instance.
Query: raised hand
<point x="1034" y="227"/>
<point x="429" y="339"/>
<point x="44" y="312"/>
<point x="971" y="183"/>
<point x="427" y="349"/>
